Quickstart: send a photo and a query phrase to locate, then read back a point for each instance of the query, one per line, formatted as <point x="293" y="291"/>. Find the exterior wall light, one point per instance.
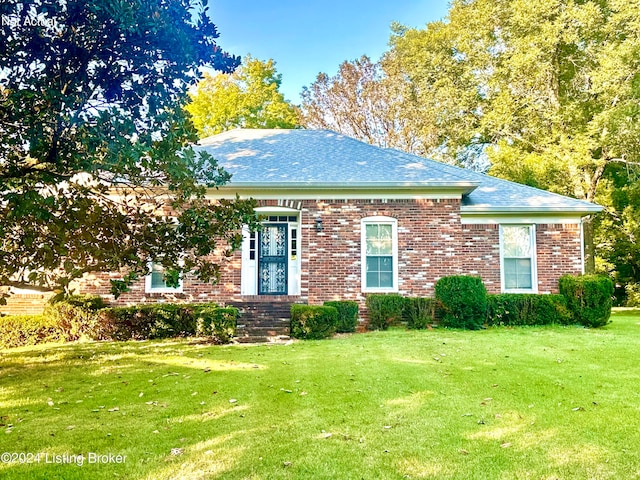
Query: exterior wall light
<point x="318" y="224"/>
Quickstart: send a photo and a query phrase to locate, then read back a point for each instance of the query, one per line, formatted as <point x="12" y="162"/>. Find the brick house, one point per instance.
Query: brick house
<point x="343" y="218"/>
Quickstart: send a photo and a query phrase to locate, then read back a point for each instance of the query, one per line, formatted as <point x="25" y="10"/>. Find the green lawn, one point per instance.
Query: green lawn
<point x="521" y="403"/>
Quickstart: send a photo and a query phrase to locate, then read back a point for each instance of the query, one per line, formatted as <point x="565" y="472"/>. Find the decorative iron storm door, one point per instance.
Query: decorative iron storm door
<point x="272" y="259"/>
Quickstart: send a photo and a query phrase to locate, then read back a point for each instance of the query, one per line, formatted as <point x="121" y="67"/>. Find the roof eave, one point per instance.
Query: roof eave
<point x="337" y="189"/>
<point x="489" y="210"/>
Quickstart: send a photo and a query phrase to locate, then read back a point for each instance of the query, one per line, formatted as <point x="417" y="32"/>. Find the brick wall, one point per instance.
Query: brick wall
<point x="25" y="304"/>
<point x="428" y="245"/>
<point x="482" y="254"/>
<point x="559" y="249"/>
<point x="432" y="243"/>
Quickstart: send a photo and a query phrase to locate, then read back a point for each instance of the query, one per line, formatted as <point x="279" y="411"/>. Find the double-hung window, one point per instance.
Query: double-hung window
<point x="379" y="254"/>
<point x="518" y="252"/>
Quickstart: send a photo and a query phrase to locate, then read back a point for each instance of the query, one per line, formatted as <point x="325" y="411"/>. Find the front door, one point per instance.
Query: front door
<point x="272" y="259"/>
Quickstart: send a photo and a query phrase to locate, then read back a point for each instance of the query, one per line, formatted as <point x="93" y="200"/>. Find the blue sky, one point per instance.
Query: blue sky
<point x="308" y="37"/>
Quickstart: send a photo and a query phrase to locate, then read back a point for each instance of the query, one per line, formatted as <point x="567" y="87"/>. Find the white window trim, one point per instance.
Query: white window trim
<point x="378" y="220"/>
<point x="534" y="262"/>
<point x="149" y="289"/>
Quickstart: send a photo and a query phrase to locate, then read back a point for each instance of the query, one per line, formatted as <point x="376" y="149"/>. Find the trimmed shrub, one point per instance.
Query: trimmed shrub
<point x="74" y="322"/>
<point x="86" y="302"/>
<point x="384" y="309"/>
<point x="20" y="330"/>
<point x="64" y="321"/>
<point x="419" y="312"/>
<point x="463" y="301"/>
<point x="527" y="309"/>
<point x="165" y="320"/>
<point x="588" y="298"/>
<point x="145" y="322"/>
<point x="217" y="323"/>
<point x="313" y="321"/>
<point x="347" y="315"/>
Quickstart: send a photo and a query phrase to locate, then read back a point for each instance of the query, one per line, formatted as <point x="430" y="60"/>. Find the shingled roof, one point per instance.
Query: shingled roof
<point x="304" y="159"/>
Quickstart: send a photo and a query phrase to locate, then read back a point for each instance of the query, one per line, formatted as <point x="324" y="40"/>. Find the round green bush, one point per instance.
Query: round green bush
<point x="347" y="315"/>
<point x="313" y="321"/>
<point x="589" y="298"/>
<point x="463" y="301"/>
<point x="384" y="309"/>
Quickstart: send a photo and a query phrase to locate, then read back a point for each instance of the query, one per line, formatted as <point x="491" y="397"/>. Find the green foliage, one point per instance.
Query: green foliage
<point x="86" y="302"/>
<point x="20" y="330"/>
<point x="633" y="294"/>
<point x="165" y="320"/>
<point x="73" y="322"/>
<point x="463" y="301"/>
<point x="384" y="310"/>
<point x="589" y="298"/>
<point x="527" y="309"/>
<point x="313" y="321"/>
<point x="617" y="228"/>
<point x="65" y="321"/>
<point x="247" y="98"/>
<point x="419" y="312"/>
<point x="93" y="129"/>
<point x="73" y="319"/>
<point x="347" y="315"/>
<point x="216" y="322"/>
<point x="143" y="322"/>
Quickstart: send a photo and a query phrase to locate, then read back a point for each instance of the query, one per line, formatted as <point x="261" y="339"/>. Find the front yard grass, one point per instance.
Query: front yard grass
<point x="504" y="403"/>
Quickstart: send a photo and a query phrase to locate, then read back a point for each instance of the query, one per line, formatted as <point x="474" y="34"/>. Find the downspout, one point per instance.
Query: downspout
<point x="582" y="222"/>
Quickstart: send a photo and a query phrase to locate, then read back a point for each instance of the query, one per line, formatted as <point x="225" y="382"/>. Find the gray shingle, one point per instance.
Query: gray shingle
<point x="316" y="157"/>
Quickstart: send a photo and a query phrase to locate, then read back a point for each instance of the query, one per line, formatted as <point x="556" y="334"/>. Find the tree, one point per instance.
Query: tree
<point x="361" y="101"/>
<point x="96" y="172"/>
<point x="618" y="228"/>
<point x="548" y="91"/>
<point x="247" y="98"/>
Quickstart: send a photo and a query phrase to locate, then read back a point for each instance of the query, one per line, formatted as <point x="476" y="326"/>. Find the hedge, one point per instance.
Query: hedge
<point x="589" y="298"/>
<point x="146" y="322"/>
<point x="217" y="323"/>
<point x="20" y="330"/>
<point x="91" y="303"/>
<point x="419" y="312"/>
<point x="527" y="309"/>
<point x="166" y="320"/>
<point x="347" y="315"/>
<point x="69" y="320"/>
<point x="313" y="321"/>
<point x="76" y="319"/>
<point x="462" y="300"/>
<point x="384" y="309"/>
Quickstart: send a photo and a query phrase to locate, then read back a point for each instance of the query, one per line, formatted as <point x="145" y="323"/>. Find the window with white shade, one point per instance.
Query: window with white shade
<point x="518" y="255"/>
<point x="379" y="254"/>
